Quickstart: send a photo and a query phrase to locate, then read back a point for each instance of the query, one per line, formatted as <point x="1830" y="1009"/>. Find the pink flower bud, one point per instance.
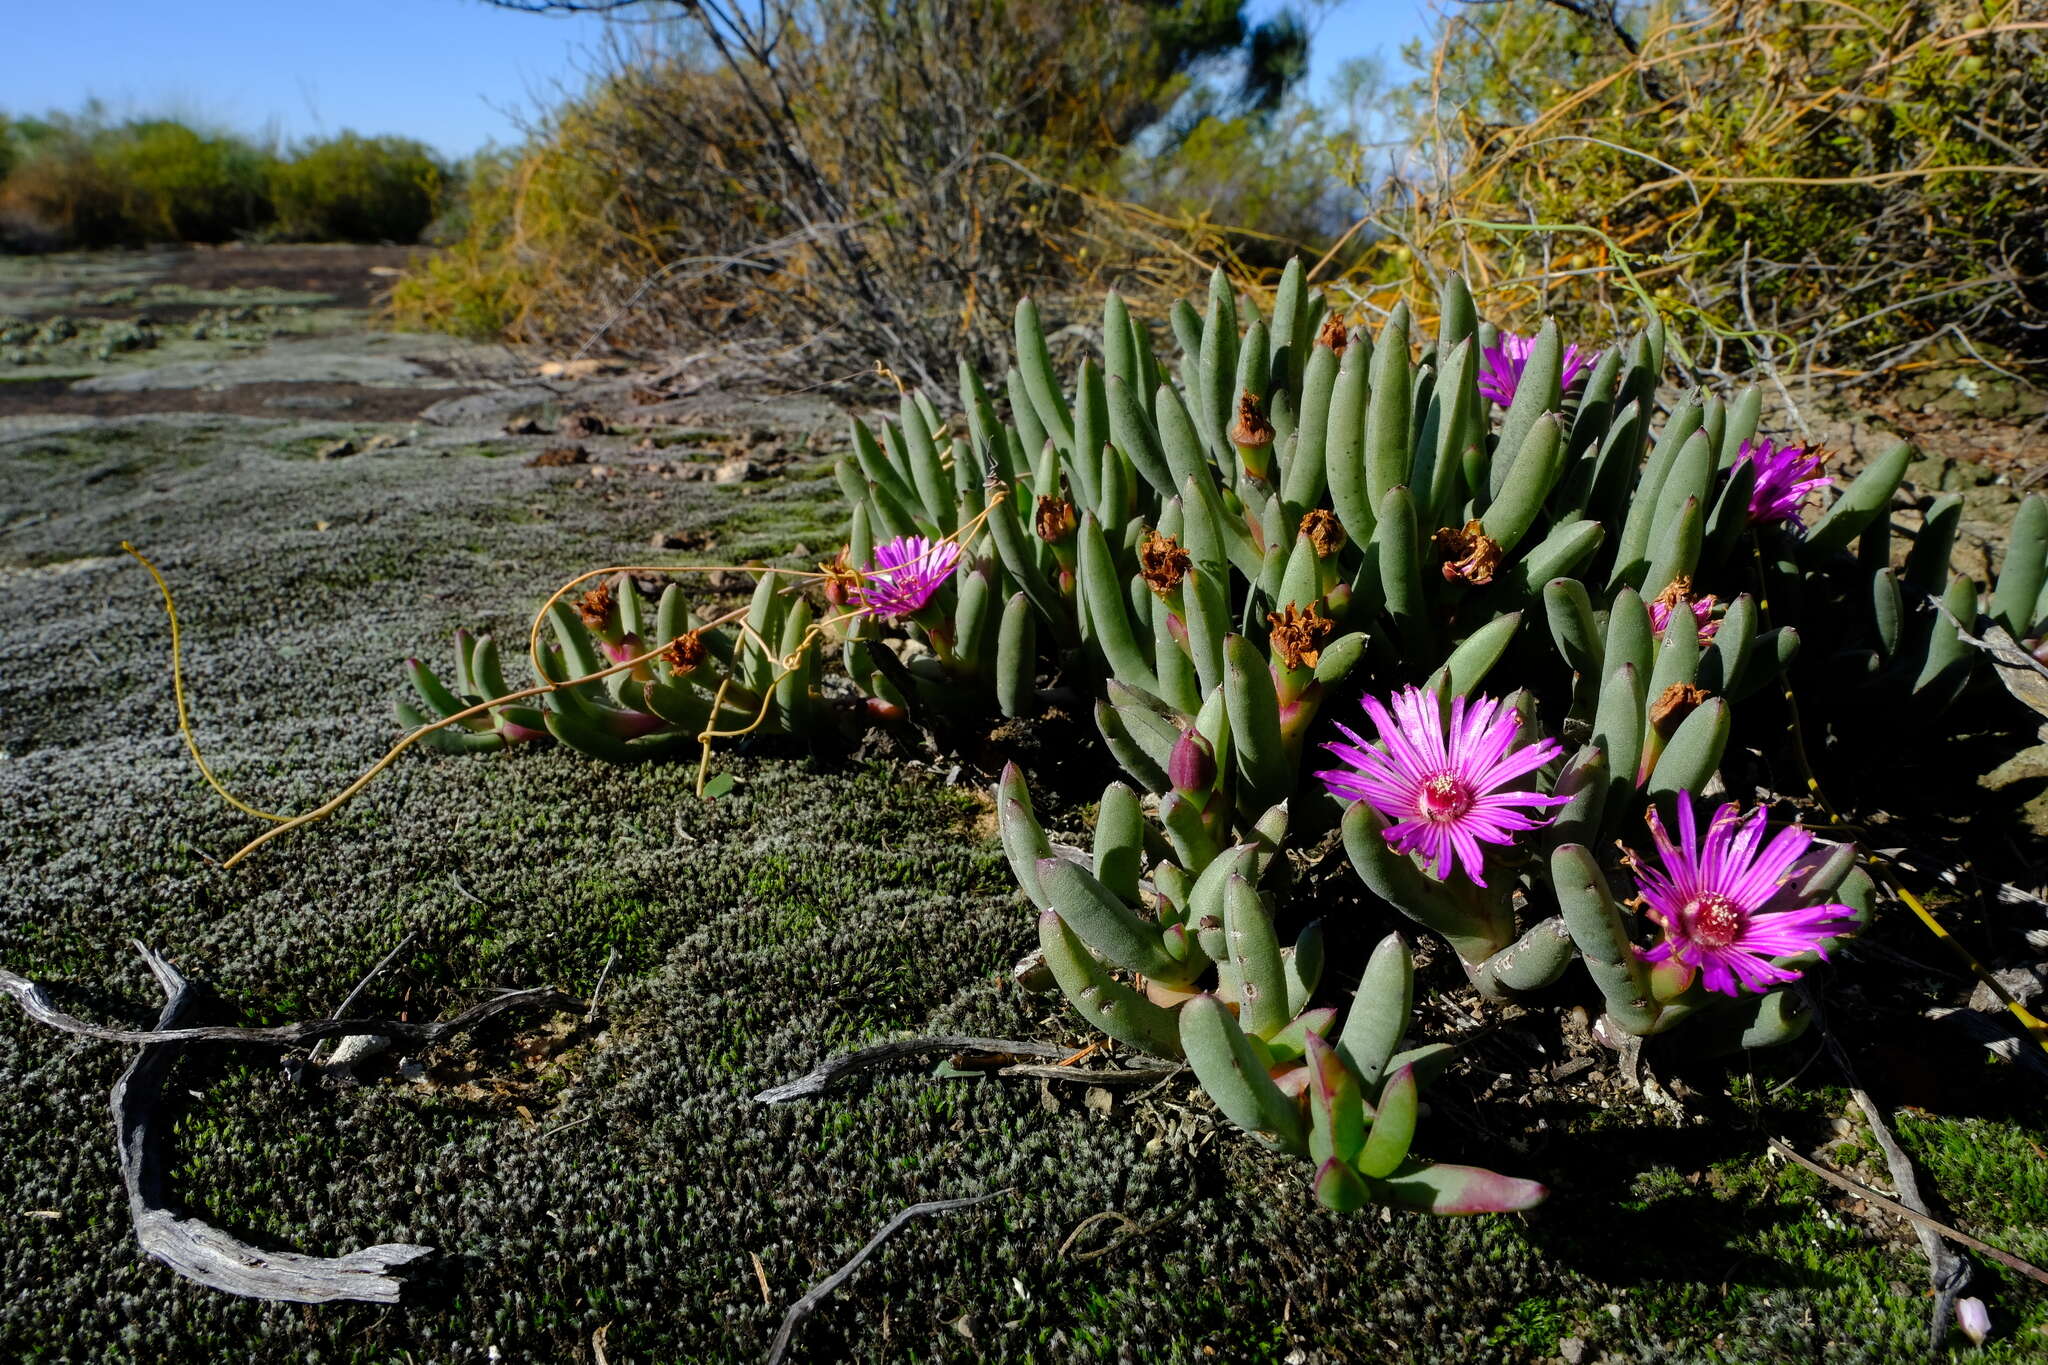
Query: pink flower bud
<point x="1192" y="765"/>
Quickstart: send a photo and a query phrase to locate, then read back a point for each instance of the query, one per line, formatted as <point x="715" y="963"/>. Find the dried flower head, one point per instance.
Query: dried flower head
<point x="1299" y="636"/>
<point x="1325" y="533"/>
<point x="1468" y="554"/>
<point x="1162" y="563"/>
<point x="1501" y="366"/>
<point x="1678" y="596"/>
<point x="595" y="606"/>
<point x="1334" y="334"/>
<point x="685" y="653"/>
<point x="1056" y="520"/>
<point x="1251" y="427"/>
<point x="1710" y="896"/>
<point x="1679" y="700"/>
<point x="1784" y="476"/>
<point x="1444" y="791"/>
<point x="905" y="574"/>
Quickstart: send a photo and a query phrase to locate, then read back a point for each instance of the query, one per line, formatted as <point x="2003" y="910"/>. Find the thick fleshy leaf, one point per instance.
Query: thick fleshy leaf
<point x="1440" y="1188"/>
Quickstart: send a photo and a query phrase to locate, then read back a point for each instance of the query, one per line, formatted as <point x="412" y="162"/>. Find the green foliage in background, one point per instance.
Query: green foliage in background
<point x="358" y="189"/>
<point x="71" y="181"/>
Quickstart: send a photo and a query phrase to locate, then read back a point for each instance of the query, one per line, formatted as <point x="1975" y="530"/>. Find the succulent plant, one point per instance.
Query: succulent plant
<point x="1185" y="962"/>
<point x="686" y="680"/>
<point x="1301" y="511"/>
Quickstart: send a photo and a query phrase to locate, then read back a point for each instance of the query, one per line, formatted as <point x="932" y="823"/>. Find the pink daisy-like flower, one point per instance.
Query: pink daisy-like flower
<point x="1710" y="896"/>
<point x="1442" y="791"/>
<point x="1501" y="366"/>
<point x="905" y="573"/>
<point x="1702" y="615"/>
<point x="1784" y="476"/>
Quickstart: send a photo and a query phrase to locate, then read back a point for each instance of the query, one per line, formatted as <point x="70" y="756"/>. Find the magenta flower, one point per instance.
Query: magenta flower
<point x="1784" y="476"/>
<point x="1441" y="791"/>
<point x="1702" y="615"/>
<point x="1501" y="366"/>
<point x="905" y="573"/>
<point x="1710" y="897"/>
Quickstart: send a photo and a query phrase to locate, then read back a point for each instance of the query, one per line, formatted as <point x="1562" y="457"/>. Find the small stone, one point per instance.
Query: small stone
<point x="736" y="471"/>
<point x="666" y="540"/>
<point x="1099" y="1100"/>
<point x="1572" y="1350"/>
<point x="581" y="424"/>
<point x="524" y="426"/>
<point x="335" y="450"/>
<point x="600" y="471"/>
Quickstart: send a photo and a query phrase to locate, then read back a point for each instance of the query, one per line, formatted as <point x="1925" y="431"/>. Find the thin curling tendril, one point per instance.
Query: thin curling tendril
<point x="787" y="662"/>
<point x="178" y="693"/>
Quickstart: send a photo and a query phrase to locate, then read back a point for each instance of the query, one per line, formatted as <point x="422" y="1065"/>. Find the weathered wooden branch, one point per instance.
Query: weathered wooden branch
<point x="801" y="1309"/>
<point x="196" y="1249"/>
<point x="820" y="1079"/>
<point x="35" y="1002"/>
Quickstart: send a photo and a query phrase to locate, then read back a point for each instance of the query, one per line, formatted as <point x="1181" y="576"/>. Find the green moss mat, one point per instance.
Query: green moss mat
<point x="622" y="1181"/>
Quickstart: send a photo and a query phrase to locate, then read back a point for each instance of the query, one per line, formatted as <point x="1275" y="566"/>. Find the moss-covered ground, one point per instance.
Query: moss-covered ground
<point x="613" y="1187"/>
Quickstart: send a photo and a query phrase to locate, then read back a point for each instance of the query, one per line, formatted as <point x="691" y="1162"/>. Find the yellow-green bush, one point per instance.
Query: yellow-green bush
<point x="83" y="181"/>
<point x="1840" y="183"/>
<point x="357" y="189"/>
<point x="179" y="184"/>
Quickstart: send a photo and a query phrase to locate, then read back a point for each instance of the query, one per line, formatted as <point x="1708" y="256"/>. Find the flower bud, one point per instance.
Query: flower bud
<point x="841" y="581"/>
<point x="1974" y="1319"/>
<point x="1192" y="765"/>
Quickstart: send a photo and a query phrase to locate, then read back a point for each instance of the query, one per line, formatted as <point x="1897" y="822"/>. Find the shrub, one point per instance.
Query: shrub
<point x="81" y="181"/>
<point x="177" y="183"/>
<point x="1846" y="182"/>
<point x="864" y="185"/>
<point x="358" y="189"/>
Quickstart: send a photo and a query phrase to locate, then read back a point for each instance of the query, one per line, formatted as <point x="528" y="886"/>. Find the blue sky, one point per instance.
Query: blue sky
<point x="456" y="74"/>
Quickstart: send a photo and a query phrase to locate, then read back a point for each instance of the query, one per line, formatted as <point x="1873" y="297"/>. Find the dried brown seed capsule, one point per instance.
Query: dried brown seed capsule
<point x="1679" y="701"/>
<point x="1251" y="427"/>
<point x="595" y="606"/>
<point x="1325" y="533"/>
<point x="1162" y="563"/>
<point x="1056" y="520"/>
<point x="1299" y="637"/>
<point x="1468" y="554"/>
<point x="686" y="653"/>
